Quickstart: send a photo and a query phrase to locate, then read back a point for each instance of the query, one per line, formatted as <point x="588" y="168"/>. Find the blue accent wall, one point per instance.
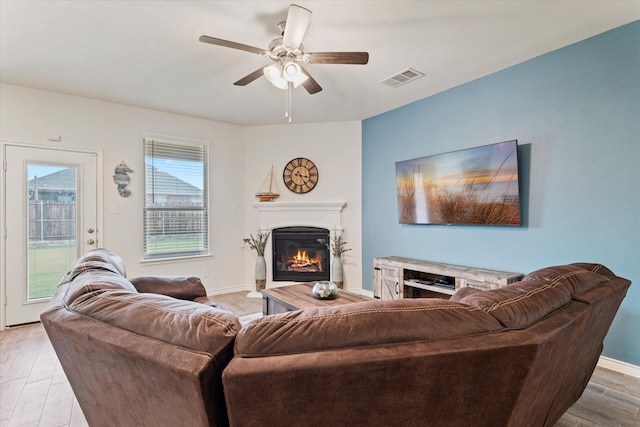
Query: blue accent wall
<point x="576" y="115"/>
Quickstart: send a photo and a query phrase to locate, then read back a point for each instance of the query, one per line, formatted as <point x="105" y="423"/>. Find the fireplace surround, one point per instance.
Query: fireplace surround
<point x="274" y="215"/>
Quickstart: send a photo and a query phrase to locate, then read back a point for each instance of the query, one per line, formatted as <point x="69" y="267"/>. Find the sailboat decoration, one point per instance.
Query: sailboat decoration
<point x="268" y="190"/>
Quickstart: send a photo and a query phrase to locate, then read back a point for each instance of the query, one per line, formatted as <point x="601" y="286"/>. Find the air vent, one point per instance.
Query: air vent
<point x="403" y="77"/>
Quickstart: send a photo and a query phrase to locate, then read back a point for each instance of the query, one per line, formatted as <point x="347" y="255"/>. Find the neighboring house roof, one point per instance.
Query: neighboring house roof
<point x="64" y="180"/>
<point x="168" y="184"/>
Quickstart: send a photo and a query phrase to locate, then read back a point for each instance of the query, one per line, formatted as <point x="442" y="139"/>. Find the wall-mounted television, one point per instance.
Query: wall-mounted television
<point x="474" y="186"/>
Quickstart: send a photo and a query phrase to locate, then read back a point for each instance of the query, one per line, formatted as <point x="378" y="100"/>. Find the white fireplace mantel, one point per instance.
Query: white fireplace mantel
<point x="313" y="214"/>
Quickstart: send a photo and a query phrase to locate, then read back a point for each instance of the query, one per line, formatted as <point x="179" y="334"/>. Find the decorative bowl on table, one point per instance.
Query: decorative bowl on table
<point x="325" y="290"/>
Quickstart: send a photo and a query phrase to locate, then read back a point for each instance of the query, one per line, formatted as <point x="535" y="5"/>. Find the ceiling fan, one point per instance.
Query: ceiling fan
<point x="288" y="53"/>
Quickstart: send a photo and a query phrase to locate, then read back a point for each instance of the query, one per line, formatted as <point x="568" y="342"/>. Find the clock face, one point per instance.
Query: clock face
<point x="300" y="175"/>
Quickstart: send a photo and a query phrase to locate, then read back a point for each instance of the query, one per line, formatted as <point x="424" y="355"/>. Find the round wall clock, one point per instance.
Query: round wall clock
<point x="300" y="175"/>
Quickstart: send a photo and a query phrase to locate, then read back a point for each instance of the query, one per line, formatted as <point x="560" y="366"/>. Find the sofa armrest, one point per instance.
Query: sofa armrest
<point x="180" y="287"/>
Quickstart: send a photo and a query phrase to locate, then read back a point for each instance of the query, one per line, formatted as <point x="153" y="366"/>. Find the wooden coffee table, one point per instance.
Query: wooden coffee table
<point x="297" y="297"/>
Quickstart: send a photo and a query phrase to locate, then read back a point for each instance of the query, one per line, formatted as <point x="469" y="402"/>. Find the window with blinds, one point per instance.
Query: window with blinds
<point x="176" y="205"/>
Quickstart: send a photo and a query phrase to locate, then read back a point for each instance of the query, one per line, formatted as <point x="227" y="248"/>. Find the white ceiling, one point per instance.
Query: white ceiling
<point x="147" y="53"/>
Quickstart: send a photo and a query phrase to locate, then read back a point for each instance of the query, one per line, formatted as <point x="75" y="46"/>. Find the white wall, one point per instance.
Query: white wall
<point x="28" y="115"/>
<point x="240" y="159"/>
<point x="335" y="148"/>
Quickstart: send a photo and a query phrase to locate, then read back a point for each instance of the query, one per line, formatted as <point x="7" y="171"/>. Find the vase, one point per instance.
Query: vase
<point x="261" y="273"/>
<point x="336" y="271"/>
<point x="325" y="290"/>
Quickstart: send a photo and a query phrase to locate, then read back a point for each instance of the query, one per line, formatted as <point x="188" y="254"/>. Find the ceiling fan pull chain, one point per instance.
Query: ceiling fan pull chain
<point x="287" y="113"/>
<point x="286" y="104"/>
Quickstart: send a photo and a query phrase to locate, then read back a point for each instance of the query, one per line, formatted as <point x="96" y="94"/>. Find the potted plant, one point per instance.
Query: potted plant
<point x="258" y="244"/>
<point x="338" y="247"/>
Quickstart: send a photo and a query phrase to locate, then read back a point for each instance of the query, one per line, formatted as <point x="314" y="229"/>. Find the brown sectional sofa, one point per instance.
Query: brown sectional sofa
<point x="519" y="356"/>
<point x="139" y="359"/>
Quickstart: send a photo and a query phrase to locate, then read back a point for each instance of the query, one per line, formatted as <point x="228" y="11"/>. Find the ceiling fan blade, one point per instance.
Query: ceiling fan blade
<point x="357" y="58"/>
<point x="310" y="84"/>
<point x="233" y="45"/>
<point x="298" y="20"/>
<point x="250" y="77"/>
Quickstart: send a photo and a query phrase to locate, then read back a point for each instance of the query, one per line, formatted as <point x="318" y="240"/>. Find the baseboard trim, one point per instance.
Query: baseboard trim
<point x="619" y="366"/>
<point x="231" y="289"/>
<point x="364" y="292"/>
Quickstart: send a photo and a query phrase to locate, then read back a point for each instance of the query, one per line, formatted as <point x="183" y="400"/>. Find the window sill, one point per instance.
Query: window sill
<point x="176" y="259"/>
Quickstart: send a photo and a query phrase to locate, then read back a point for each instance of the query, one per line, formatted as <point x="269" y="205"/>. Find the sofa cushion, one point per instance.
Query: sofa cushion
<point x="96" y="259"/>
<point x="521" y="304"/>
<point x="578" y="278"/>
<point x="359" y="324"/>
<point x="94" y="281"/>
<point x="180" y="287"/>
<point x="539" y="294"/>
<point x="106" y="256"/>
<point x="462" y="293"/>
<point x="596" y="268"/>
<point x="182" y="323"/>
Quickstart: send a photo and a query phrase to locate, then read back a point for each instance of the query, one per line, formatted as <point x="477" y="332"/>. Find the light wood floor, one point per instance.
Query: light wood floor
<point x="34" y="390"/>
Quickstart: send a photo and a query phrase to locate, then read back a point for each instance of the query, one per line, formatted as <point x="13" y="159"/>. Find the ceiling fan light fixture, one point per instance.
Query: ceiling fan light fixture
<point x="281" y="74"/>
<point x="299" y="79"/>
<point x="273" y="73"/>
<point x="292" y="72"/>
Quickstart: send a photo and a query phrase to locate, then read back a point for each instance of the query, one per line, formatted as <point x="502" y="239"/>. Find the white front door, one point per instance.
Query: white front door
<point x="51" y="218"/>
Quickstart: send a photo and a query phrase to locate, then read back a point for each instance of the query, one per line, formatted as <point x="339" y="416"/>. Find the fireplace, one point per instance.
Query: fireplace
<point x="300" y="254"/>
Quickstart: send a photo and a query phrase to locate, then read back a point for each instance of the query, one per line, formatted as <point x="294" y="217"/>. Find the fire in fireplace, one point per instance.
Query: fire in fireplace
<point x="300" y="254"/>
<point x="301" y="262"/>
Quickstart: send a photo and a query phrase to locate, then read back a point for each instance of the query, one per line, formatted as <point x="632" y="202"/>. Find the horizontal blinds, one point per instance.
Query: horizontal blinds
<point x="175" y="151"/>
<point x="176" y="205"/>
